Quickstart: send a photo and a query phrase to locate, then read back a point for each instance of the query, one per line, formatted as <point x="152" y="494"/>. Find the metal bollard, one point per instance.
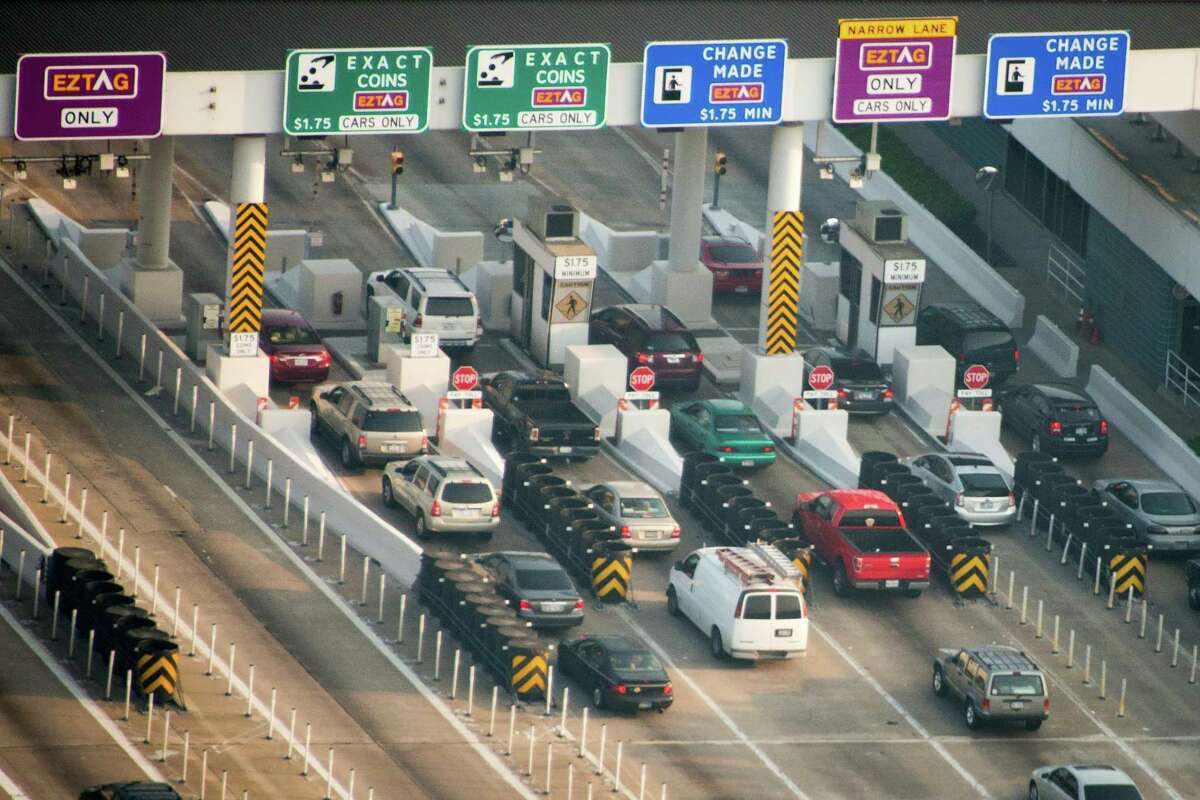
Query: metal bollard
<point x="1142" y="626"/>
<point x="112" y="658"/>
<point x="212" y="422"/>
<point x="570" y="781"/>
<point x="175" y="616"/>
<point x="83" y="300"/>
<point x="187" y="742"/>
<point x="232" y="448"/>
<point x="993" y="575"/>
<point x="350" y="785"/>
<point x="287" y="500"/>
<point x="66" y="497"/>
<point x="583" y="733"/>
<point x="382" y="582"/>
<point x="203" y="772"/>
<point x="307" y="747"/>
<point x="120" y="334"/>
<point x="271" y="717"/>
<point x="1192" y="679"/>
<point x="437" y="656"/>
<point x="158" y="376"/>
<point x="600" y="753"/>
<point x="212" y="648"/>
<point x="195" y="407"/>
<point x="1129" y="607"/>
<point x="21" y="578"/>
<point x="12" y="418"/>
<point x="154" y="593"/>
<point x="1096" y="583"/>
<point x="492" y="717"/>
<point x="1012" y="578"/>
<point x="149" y="716"/>
<point x="225" y="782"/>
<point x="103" y="532"/>
<point x="232" y="656"/>
<point x="329" y="778"/>
<point x="249" y="463"/>
<point x="1049" y="537"/>
<point x="642" y="784"/>
<point x="617" y="770"/>
<point x="25" y="472"/>
<point x="1158" y="643"/>
<point x="1024" y="603"/>
<point x="365" y="579"/>
<point x="420" y="637"/>
<point x="1049" y="528"/>
<point x="87" y="673"/>
<point x="1121" y="703"/>
<point x="1112" y="589"/>
<point x="71" y="634"/>
<point x="166" y="736"/>
<point x="250" y="693"/>
<point x="54" y="621"/>
<point x="549" y="688"/>
<point x="454" y="676"/>
<point x="321" y="546"/>
<point x="549" y="763"/>
<point x="1066" y="548"/>
<point x="291" y="734"/>
<point x="270" y="480"/>
<point x="342" y="557"/>
<point x="128" y="691"/>
<point x="512" y="726"/>
<point x="37" y="583"/>
<point x="81" y="513"/>
<point x="178" y="386"/>
<point x="1175" y="651"/>
<point x="532" y="743"/>
<point x="566" y="699"/>
<point x="1103" y="678"/>
<point x="1054" y="641"/>
<point x="304" y="527"/>
<point x="1038" y="632"/>
<point x="1087" y="665"/>
<point x="1071" y="649"/>
<point x="470" y="690"/>
<point x="400" y="623"/>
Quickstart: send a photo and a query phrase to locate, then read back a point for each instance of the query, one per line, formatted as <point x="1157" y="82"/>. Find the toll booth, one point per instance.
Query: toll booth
<point x="553" y="276"/>
<point x="879" y="282"/>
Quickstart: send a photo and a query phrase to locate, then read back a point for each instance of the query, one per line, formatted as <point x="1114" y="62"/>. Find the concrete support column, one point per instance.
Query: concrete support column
<point x="248" y="186"/>
<point x="687" y="197"/>
<point x="784" y="176"/>
<point x="154" y="205"/>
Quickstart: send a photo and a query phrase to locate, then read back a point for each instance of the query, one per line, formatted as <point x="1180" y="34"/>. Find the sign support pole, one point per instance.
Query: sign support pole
<point x="785" y="173"/>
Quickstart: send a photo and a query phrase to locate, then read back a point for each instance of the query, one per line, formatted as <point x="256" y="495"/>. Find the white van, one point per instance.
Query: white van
<point x="747" y="599"/>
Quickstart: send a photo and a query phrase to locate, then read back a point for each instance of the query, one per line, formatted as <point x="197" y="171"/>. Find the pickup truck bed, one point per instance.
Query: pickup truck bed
<point x="882" y="542"/>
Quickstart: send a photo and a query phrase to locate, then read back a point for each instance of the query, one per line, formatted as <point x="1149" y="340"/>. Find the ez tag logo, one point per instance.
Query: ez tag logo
<point x="317" y="72"/>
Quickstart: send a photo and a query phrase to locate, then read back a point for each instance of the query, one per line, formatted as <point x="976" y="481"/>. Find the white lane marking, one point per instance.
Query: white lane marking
<point x="884" y="741"/>
<point x="11" y="788"/>
<point x="713" y="706"/>
<point x="89" y="705"/>
<point x="484" y="751"/>
<point x="909" y="718"/>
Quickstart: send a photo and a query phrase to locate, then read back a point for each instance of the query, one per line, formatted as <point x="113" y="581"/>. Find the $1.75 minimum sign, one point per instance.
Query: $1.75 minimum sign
<point x="371" y="90"/>
<point x="536" y="87"/>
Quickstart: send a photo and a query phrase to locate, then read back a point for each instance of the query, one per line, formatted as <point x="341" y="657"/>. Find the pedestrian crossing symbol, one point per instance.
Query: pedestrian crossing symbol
<point x="571" y="306"/>
<point x="899" y="307"/>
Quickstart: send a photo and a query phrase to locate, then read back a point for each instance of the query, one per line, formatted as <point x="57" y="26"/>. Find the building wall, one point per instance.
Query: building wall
<point x="979" y="141"/>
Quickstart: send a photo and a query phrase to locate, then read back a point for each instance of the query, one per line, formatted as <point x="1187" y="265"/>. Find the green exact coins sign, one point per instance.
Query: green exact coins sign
<point x="380" y="90"/>
<point x="536" y="87"/>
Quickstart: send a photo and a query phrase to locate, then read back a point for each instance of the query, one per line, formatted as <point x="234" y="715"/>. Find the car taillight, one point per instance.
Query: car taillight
<point x="676" y="533"/>
<point x="841" y="393"/>
<point x="720" y="273"/>
<point x="496" y="509"/>
<point x="888" y="394"/>
<point x="274" y="359"/>
<point x="858" y="564"/>
<point x="579" y="605"/>
<point x="737" y="610"/>
<point x="525" y="605"/>
<point x="417" y="321"/>
<point x="928" y="562"/>
<point x="323" y="358"/>
<point x="424" y="444"/>
<point x="643" y="358"/>
<point x="985" y="705"/>
<point x="435" y="510"/>
<point x="625" y="532"/>
<point x="699" y="358"/>
<point x="1055" y="427"/>
<point x="1012" y="499"/>
<point x="768" y="449"/>
<point x="958" y="499"/>
<point x="1016" y="356"/>
<point x="596" y="434"/>
<point x="1046" y="704"/>
<point x="1104" y="427"/>
<point x="479" y="326"/>
<point x="669" y="690"/>
<point x="726" y="449"/>
<point x="533" y="434"/>
<point x="620" y="688"/>
<point x="362" y="440"/>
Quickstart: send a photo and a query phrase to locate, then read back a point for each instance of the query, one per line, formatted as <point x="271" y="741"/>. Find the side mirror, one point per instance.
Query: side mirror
<point x="679" y="565"/>
<point x="830" y="230"/>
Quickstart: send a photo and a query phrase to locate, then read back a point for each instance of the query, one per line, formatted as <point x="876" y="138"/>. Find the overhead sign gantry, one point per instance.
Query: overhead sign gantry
<point x="536" y="87"/>
<point x="372" y="90"/>
<point x="736" y="82"/>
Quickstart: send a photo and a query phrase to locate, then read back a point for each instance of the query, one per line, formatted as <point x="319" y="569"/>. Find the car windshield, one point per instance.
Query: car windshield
<point x="1027" y="685"/>
<point x="392" y="422"/>
<point x="543" y="579"/>
<point x="983" y="484"/>
<point x="733" y="253"/>
<point x="642" y="507"/>
<point x="870" y="518"/>
<point x="462" y="492"/>
<point x="1073" y="414"/>
<point x="449" y="307"/>
<point x="292" y="334"/>
<point x="670" y="342"/>
<point x="1110" y="792"/>
<point x="857" y="371"/>
<point x="1167" y="504"/>
<point x="979" y="340"/>
<point x="630" y="661"/>
<point x="736" y="423"/>
<point x="541" y="393"/>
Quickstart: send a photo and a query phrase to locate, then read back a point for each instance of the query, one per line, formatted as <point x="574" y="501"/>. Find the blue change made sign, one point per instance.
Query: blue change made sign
<point x="1076" y="74"/>
<point x="740" y="82"/>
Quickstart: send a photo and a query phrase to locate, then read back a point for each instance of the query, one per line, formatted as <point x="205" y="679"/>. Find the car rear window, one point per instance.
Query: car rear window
<point x="1027" y="685"/>
<point x="787" y="606"/>
<point x="628" y="661"/>
<point x="1167" y="503"/>
<point x="642" y="507"/>
<point x="463" y="492"/>
<point x="980" y="340"/>
<point x="670" y="342"/>
<point x="538" y="393"/>
<point x="1106" y="792"/>
<point x="883" y="518"/>
<point x="392" y="422"/>
<point x="733" y="253"/>
<point x="1073" y="413"/>
<point x="983" y="484"/>
<point x="543" y="580"/>
<point x="857" y="371"/>
<point x="757" y="606"/>
<point x="449" y="307"/>
<point x="292" y="334"/>
<point x="736" y="423"/>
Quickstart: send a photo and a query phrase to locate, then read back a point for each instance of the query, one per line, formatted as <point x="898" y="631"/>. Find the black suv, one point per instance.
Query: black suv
<point x="1056" y="418"/>
<point x="973" y="335"/>
<point x="651" y="336"/>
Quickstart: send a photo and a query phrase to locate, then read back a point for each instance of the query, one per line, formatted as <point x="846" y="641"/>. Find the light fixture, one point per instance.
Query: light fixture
<point x="328" y="176"/>
<point x="69" y="183"/>
<point x="122" y="170"/>
<point x="506" y="176"/>
<point x="856" y="178"/>
<point x="298" y="163"/>
<point x="107" y="162"/>
<point x="21" y="172"/>
<point x="479" y="165"/>
<point x="826" y="172"/>
<point x="83" y="165"/>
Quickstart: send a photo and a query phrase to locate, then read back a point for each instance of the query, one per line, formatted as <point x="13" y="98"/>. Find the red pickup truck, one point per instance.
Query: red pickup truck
<point x="860" y="534"/>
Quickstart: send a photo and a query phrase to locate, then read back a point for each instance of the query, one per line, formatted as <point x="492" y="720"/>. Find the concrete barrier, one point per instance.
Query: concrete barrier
<point x="467" y="433"/>
<point x="618" y="251"/>
<point x="1054" y="347"/>
<point x="726" y="224"/>
<point x="311" y="287"/>
<point x="1160" y="444"/>
<point x="821" y="444"/>
<point x="423" y="381"/>
<point x="979" y="432"/>
<point x="292" y="426"/>
<point x="923" y="377"/>
<point x="492" y="282"/>
<point x="595" y="376"/>
<point x="769" y="387"/>
<point x="644" y="439"/>
<point x="364" y="529"/>
<point x="456" y="251"/>
<point x="286" y="247"/>
<point x="105" y="247"/>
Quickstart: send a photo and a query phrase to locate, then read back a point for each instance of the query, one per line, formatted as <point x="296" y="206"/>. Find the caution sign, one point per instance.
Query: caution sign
<point x="1128" y="571"/>
<point x="246" y="279"/>
<point x="898" y="306"/>
<point x="783" y="294"/>
<point x="529" y="675"/>
<point x="158" y="673"/>
<point x="572" y="300"/>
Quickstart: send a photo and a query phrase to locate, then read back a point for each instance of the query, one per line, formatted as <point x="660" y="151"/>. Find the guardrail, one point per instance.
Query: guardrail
<point x="1182" y="378"/>
<point x="1067" y="274"/>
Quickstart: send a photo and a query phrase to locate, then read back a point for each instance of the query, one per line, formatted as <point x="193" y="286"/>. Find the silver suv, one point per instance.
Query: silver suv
<point x="995" y="683"/>
<point x="433" y="301"/>
<point x="444" y="495"/>
<point x="371" y="423"/>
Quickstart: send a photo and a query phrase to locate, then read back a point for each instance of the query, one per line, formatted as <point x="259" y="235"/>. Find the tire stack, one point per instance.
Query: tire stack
<point x="725" y="504"/>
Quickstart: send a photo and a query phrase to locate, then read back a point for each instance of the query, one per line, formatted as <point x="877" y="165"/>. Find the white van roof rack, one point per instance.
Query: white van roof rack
<point x="776" y="559"/>
<point x="747" y="570"/>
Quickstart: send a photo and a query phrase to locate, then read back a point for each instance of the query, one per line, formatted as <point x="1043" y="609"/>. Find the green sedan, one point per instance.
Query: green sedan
<point x="725" y="428"/>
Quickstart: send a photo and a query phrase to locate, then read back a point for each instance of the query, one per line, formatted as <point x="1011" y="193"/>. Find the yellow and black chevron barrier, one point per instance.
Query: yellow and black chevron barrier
<point x="249" y="258"/>
<point x="1128" y="570"/>
<point x="783" y="292"/>
<point x="158" y="673"/>
<point x="803" y="559"/>
<point x="969" y="573"/>
<point x="529" y="672"/>
<point x="610" y="574"/>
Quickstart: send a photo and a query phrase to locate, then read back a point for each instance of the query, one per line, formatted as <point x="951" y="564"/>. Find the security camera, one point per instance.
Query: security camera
<point x="503" y="230"/>
<point x="830" y="230"/>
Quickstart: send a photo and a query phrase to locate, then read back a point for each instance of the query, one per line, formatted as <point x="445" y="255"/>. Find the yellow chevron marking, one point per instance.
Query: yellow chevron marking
<point x="783" y="293"/>
<point x="249" y="256"/>
<point x="168" y="686"/>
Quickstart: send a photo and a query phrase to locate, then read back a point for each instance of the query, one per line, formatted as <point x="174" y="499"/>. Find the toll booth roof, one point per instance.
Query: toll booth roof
<point x="569" y="248"/>
<point x="887" y="251"/>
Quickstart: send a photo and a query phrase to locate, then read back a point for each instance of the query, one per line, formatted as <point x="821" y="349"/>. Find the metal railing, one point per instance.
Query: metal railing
<point x="1182" y="377"/>
<point x="1070" y="276"/>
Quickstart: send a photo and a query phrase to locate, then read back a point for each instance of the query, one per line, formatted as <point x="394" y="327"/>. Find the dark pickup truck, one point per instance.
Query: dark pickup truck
<point x="535" y="414"/>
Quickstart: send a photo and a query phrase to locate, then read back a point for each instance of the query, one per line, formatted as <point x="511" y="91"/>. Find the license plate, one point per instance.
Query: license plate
<point x="1081" y="431"/>
<point x="300" y="362"/>
<point x="393" y="448"/>
<point x="673" y="359"/>
<point x="864" y="395"/>
<point x="564" y="449"/>
<point x="554" y="608"/>
<point x="987" y="506"/>
<point x="1016" y="706"/>
<point x="650" y="535"/>
<point x="1068" y="438"/>
<point x="891" y="584"/>
<point x="645" y="705"/>
<point x="783" y="631"/>
<point x="747" y="463"/>
<point x="741" y="289"/>
<point x="1093" y="438"/>
<point x="465" y="512"/>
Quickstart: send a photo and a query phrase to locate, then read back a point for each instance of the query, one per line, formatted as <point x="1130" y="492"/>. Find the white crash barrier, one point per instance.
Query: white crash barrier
<point x="326" y="291"/>
<point x="769" y="385"/>
<point x="292" y="428"/>
<point x="979" y="432"/>
<point x="1160" y="444"/>
<point x="364" y="529"/>
<point x="618" y="251"/>
<point x="820" y="442"/>
<point x="595" y="376"/>
<point x="286" y="247"/>
<point x="644" y="440"/>
<point x="467" y="433"/>
<point x="923" y="377"/>
<point x="242" y="380"/>
<point x="1054" y="347"/>
<point x="422" y="380"/>
<point x="104" y="247"/>
<point x="727" y="224"/>
<point x="456" y="251"/>
<point x="492" y="282"/>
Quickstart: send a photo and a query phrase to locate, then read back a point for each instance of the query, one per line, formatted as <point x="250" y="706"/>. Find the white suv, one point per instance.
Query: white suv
<point x="434" y="301"/>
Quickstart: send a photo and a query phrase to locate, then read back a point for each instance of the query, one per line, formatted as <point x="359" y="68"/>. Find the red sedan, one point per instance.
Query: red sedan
<point x="735" y="266"/>
<point x="295" y="349"/>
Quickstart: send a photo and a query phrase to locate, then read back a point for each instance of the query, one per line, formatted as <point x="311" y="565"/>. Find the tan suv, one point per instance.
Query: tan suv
<point x="371" y="423"/>
<point x="995" y="683"/>
<point x="444" y="495"/>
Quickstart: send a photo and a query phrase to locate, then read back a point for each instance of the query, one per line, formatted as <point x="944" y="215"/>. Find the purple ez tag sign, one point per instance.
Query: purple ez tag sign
<point x="90" y="96"/>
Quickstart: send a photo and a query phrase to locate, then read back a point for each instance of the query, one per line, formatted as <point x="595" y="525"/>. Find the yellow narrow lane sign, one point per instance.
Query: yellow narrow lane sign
<point x="783" y="293"/>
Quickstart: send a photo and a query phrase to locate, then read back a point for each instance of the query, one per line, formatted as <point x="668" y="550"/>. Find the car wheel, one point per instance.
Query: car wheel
<point x="939" y="682"/>
<point x="718" y="646"/>
<point x="970" y="715"/>
<point x="1033" y="792"/>
<point x="314" y="423"/>
<point x="349" y="459"/>
<point x="597" y="697"/>
<point x="672" y="603"/>
<point x="422" y="531"/>
<point x="1033" y="724"/>
<point x="1194" y="597"/>
<point x="841" y="584"/>
<point x="389" y="497"/>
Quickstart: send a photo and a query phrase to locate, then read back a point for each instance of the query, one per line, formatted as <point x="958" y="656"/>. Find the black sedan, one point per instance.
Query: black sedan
<point x="619" y="672"/>
<point x="1055" y="418"/>
<point x="857" y="379"/>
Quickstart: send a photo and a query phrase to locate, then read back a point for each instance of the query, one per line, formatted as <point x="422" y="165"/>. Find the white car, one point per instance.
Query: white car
<point x="1082" y="782"/>
<point x="432" y="301"/>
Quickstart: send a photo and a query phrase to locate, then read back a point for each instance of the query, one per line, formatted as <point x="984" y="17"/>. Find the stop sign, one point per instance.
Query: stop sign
<point x="641" y="379"/>
<point x="976" y="376"/>
<point x="464" y="379"/>
<point x="821" y="378"/>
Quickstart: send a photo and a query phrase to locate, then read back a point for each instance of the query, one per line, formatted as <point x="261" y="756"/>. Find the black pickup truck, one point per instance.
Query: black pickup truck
<point x="534" y="414"/>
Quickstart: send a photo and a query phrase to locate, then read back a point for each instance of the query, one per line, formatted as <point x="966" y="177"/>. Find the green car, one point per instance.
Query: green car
<point x="725" y="428"/>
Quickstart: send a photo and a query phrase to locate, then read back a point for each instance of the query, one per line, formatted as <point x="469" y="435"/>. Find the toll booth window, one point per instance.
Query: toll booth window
<point x="520" y="264"/>
<point x="547" y="297"/>
<point x="876" y="291"/>
<point x="850" y="277"/>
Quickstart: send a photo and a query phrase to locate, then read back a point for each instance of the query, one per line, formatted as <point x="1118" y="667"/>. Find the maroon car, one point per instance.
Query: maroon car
<point x="735" y="266"/>
<point x="295" y="349"/>
<point x="651" y="336"/>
